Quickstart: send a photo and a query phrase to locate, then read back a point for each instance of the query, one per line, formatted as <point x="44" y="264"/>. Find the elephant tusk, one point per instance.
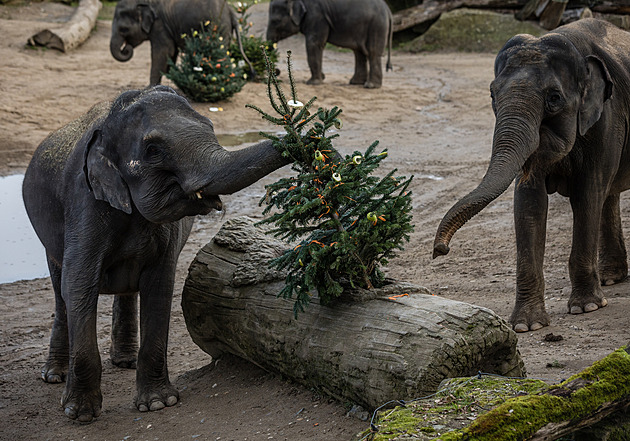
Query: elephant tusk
<point x="199" y="195"/>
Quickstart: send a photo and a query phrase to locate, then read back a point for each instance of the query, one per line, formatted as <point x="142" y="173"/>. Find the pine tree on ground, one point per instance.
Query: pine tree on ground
<point x="206" y="72"/>
<point x="345" y="222"/>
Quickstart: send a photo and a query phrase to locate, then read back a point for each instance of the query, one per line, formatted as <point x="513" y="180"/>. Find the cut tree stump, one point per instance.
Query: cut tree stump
<point x="372" y="347"/>
<point x="74" y="32"/>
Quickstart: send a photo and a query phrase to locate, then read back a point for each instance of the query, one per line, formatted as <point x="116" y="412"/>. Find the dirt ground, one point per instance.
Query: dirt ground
<point x="433" y="114"/>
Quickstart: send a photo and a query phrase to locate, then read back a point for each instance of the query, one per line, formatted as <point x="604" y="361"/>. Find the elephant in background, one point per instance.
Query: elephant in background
<point x="365" y="26"/>
<point x="163" y="22"/>
<point x="112" y="197"/>
<point x="562" y="106"/>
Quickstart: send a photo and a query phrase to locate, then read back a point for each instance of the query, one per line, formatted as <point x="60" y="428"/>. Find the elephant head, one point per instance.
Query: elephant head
<point x="154" y="152"/>
<point x="545" y="95"/>
<point x="131" y="26"/>
<point x="285" y="17"/>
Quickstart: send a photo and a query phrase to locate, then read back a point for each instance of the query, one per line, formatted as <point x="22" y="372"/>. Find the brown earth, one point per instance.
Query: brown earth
<point x="433" y="114"/>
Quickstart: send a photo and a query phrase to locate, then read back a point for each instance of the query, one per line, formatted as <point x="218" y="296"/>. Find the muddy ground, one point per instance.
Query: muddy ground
<point x="433" y="114"/>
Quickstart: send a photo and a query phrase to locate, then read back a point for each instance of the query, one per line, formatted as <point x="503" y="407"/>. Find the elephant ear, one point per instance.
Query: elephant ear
<point x="104" y="178"/>
<point x="297" y="10"/>
<point x="597" y="90"/>
<point x="146" y="16"/>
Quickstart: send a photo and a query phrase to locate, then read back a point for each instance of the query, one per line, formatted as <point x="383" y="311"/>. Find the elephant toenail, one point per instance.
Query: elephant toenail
<point x="536" y="326"/>
<point x="171" y="401"/>
<point x="521" y="327"/>
<point x="157" y="405"/>
<point x="143" y="408"/>
<point x="576" y="310"/>
<point x="590" y="307"/>
<point x="604" y="302"/>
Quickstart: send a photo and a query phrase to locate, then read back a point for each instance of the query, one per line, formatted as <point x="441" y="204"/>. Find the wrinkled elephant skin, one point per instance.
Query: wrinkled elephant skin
<point x="112" y="197"/>
<point x="562" y="106"/>
<point x="365" y="26"/>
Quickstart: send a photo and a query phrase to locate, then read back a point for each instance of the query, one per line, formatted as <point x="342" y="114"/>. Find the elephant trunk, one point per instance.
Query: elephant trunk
<point x="238" y="169"/>
<point x="120" y="49"/>
<point x="516" y="137"/>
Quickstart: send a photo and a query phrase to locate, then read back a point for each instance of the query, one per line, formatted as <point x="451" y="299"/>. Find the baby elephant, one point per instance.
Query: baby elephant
<point x="163" y="22"/>
<point x="562" y="107"/>
<point x="112" y="197"/>
<point x="365" y="26"/>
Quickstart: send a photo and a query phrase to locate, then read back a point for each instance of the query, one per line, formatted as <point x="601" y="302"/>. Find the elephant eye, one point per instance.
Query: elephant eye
<point x="554" y="101"/>
<point x="153" y="152"/>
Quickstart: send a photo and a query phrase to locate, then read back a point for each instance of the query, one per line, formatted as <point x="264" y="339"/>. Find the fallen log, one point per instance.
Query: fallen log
<point x="369" y="348"/>
<point x="589" y="406"/>
<point x="74" y="32"/>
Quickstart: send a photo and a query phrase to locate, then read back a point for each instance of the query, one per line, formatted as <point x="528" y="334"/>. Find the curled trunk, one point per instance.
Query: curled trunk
<point x="514" y="141"/>
<point x="120" y="49"/>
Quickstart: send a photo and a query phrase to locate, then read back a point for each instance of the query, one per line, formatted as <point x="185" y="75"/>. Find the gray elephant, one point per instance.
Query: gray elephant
<point x="365" y="26"/>
<point x="562" y="106"/>
<point x="112" y="197"/>
<point x="163" y="22"/>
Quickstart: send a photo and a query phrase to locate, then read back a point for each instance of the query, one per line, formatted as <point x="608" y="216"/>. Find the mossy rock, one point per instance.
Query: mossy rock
<point x="471" y="30"/>
<point x="501" y="409"/>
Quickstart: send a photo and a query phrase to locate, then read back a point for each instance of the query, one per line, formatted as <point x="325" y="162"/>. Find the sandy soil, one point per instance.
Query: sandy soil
<point x="433" y="114"/>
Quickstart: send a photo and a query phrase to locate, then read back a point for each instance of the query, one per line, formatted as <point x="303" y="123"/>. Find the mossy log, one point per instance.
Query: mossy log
<point x="592" y="405"/>
<point x="370" y="347"/>
<point x="74" y="32"/>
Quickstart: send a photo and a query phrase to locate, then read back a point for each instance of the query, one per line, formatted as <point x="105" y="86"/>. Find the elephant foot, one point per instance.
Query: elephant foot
<point x="125" y="359"/>
<point x="529" y="317"/>
<point x="358" y="80"/>
<point x="54" y="372"/>
<point x="316" y="81"/>
<point x="83" y="407"/>
<point x="151" y="400"/>
<point x="372" y="85"/>
<point x="610" y="274"/>
<point x="580" y="305"/>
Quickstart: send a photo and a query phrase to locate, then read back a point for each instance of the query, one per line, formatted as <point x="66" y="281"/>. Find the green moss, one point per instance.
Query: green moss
<point x="520" y="407"/>
<point x="468" y="30"/>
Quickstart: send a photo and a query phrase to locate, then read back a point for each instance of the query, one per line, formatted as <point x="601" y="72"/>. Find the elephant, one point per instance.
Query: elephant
<point x="562" y="108"/>
<point x="365" y="26"/>
<point x="163" y="23"/>
<point x="112" y="196"/>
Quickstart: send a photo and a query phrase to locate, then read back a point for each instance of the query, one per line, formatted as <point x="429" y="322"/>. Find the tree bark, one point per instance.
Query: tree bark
<point x="369" y="348"/>
<point x="74" y="32"/>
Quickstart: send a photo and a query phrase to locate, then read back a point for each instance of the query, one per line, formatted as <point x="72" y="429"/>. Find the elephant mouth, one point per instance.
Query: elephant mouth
<point x="207" y="201"/>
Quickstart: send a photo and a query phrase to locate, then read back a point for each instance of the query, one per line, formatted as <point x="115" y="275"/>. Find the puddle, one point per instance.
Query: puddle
<point x="22" y="255"/>
<point x="231" y="140"/>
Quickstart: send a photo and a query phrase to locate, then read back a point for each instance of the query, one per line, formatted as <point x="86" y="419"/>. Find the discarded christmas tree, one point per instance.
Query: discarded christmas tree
<point x="206" y="72"/>
<point x="346" y="222"/>
<point x="253" y="46"/>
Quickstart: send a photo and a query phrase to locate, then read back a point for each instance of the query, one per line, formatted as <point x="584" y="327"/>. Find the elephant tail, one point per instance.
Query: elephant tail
<point x="390" y="37"/>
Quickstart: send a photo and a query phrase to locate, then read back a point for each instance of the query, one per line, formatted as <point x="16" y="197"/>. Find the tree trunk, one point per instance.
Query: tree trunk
<point x="74" y="32"/>
<point x="372" y="347"/>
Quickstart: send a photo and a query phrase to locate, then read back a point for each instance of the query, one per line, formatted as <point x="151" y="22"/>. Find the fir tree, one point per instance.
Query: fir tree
<point x="345" y="222"/>
<point x="253" y="46"/>
<point x="206" y="72"/>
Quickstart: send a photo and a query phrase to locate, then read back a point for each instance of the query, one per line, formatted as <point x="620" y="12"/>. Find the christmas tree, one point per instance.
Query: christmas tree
<point x="252" y="46"/>
<point x="206" y="72"/>
<point x="345" y="222"/>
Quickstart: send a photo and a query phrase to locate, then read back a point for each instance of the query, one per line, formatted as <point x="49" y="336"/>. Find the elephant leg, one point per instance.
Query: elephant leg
<point x="56" y="367"/>
<point x="375" y="78"/>
<point x="613" y="259"/>
<point x="586" y="291"/>
<point x="124" y="347"/>
<point x="530" y="220"/>
<point x="154" y="390"/>
<point x="82" y="398"/>
<point x="360" y="68"/>
<point x="315" y="53"/>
